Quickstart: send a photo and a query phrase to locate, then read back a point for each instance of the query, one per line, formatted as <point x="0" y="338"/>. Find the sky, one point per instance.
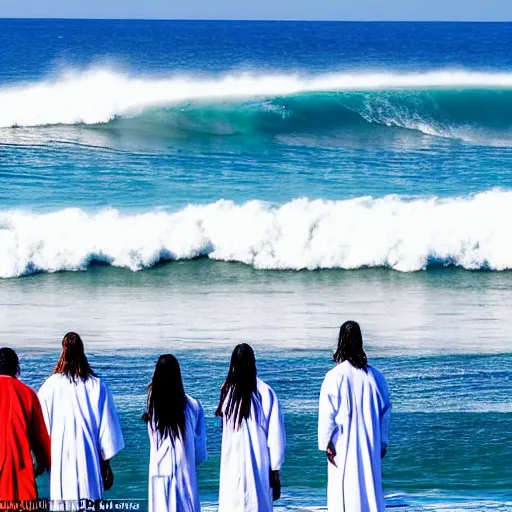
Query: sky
<point x="360" y="10"/>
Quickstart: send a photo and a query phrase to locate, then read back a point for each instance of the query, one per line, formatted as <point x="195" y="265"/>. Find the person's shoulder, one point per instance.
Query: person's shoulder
<point x="263" y="387"/>
<point x="32" y="395"/>
<point x="24" y="393"/>
<point x="55" y="377"/>
<point x="339" y="371"/>
<point x="22" y="388"/>
<point x="194" y="408"/>
<point x="193" y="403"/>
<point x="93" y="382"/>
<point x="265" y="390"/>
<point x="377" y="374"/>
<point x="51" y="382"/>
<point x="378" y="377"/>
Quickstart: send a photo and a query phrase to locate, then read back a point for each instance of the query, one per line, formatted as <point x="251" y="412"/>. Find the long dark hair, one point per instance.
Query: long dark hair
<point x="9" y="363"/>
<point x="240" y="386"/>
<point x="73" y="361"/>
<point x="167" y="401"/>
<point x="350" y="346"/>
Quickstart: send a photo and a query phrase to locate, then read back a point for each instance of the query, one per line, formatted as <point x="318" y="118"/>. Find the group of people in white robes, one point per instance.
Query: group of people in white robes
<point x="85" y="432"/>
<point x="253" y="439"/>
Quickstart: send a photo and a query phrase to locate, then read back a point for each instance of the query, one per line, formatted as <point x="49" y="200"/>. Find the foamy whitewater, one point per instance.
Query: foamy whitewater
<point x="472" y="233"/>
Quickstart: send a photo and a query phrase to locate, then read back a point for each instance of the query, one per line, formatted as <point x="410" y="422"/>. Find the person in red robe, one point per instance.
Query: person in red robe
<point x="22" y="433"/>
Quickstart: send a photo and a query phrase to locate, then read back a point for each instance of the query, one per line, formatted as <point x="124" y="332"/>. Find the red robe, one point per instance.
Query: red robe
<point x="22" y="429"/>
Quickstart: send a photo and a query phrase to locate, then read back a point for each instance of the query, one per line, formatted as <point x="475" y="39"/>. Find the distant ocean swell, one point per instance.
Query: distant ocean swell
<point x="456" y="104"/>
<point x="391" y="232"/>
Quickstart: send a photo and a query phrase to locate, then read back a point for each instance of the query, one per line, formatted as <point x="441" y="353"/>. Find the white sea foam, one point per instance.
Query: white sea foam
<point x="99" y="95"/>
<point x="390" y="232"/>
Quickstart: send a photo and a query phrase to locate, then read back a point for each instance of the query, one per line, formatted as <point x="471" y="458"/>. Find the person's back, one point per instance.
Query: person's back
<point x="84" y="428"/>
<point x="253" y="440"/>
<point x="247" y="452"/>
<point x="76" y="414"/>
<point x="363" y="398"/>
<point x="22" y="430"/>
<point x="176" y="462"/>
<point x="177" y="437"/>
<point x="353" y="430"/>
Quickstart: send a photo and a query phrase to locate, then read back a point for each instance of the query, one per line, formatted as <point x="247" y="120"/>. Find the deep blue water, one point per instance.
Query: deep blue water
<point x="271" y="146"/>
<point x="34" y="48"/>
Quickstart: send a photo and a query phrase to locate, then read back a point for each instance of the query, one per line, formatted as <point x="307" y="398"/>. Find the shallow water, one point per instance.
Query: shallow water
<point x="451" y="428"/>
<point x="449" y="370"/>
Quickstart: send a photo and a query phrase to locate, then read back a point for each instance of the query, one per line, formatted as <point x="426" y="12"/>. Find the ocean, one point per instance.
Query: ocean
<point x="184" y="186"/>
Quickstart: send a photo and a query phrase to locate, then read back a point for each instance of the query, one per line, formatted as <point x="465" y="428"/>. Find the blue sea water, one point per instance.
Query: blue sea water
<point x="218" y="182"/>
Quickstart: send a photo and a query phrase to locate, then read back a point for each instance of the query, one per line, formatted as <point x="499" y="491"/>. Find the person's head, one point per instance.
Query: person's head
<point x="9" y="363"/>
<point x="166" y="405"/>
<point x="239" y="386"/>
<point x="73" y="361"/>
<point x="350" y="346"/>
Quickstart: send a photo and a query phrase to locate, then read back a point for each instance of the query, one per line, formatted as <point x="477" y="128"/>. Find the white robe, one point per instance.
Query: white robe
<point x="172" y="467"/>
<point x="83" y="424"/>
<point x="250" y="453"/>
<point x="354" y="414"/>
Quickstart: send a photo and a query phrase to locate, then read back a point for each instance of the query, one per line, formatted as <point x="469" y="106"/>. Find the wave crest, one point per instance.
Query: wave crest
<point x="405" y="235"/>
<point x="457" y="104"/>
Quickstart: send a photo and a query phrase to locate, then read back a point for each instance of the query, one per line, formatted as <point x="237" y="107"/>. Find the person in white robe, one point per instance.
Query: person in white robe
<point x="253" y="438"/>
<point x="177" y="437"/>
<point x="83" y="424"/>
<point x="353" y="427"/>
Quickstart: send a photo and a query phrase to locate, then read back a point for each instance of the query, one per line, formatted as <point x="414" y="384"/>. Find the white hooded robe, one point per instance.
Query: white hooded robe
<point x="354" y="414"/>
<point x="172" y="466"/>
<point x="83" y="424"/>
<point x="249" y="453"/>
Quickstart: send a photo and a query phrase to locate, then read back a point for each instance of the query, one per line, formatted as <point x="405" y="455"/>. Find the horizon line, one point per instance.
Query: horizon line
<point x="253" y="20"/>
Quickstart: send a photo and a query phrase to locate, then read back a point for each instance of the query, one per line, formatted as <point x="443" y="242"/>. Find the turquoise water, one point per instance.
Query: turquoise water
<point x="186" y="186"/>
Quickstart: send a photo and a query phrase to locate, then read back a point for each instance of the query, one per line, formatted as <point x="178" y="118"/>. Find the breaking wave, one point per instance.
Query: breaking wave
<point x="392" y="232"/>
<point x="457" y="104"/>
